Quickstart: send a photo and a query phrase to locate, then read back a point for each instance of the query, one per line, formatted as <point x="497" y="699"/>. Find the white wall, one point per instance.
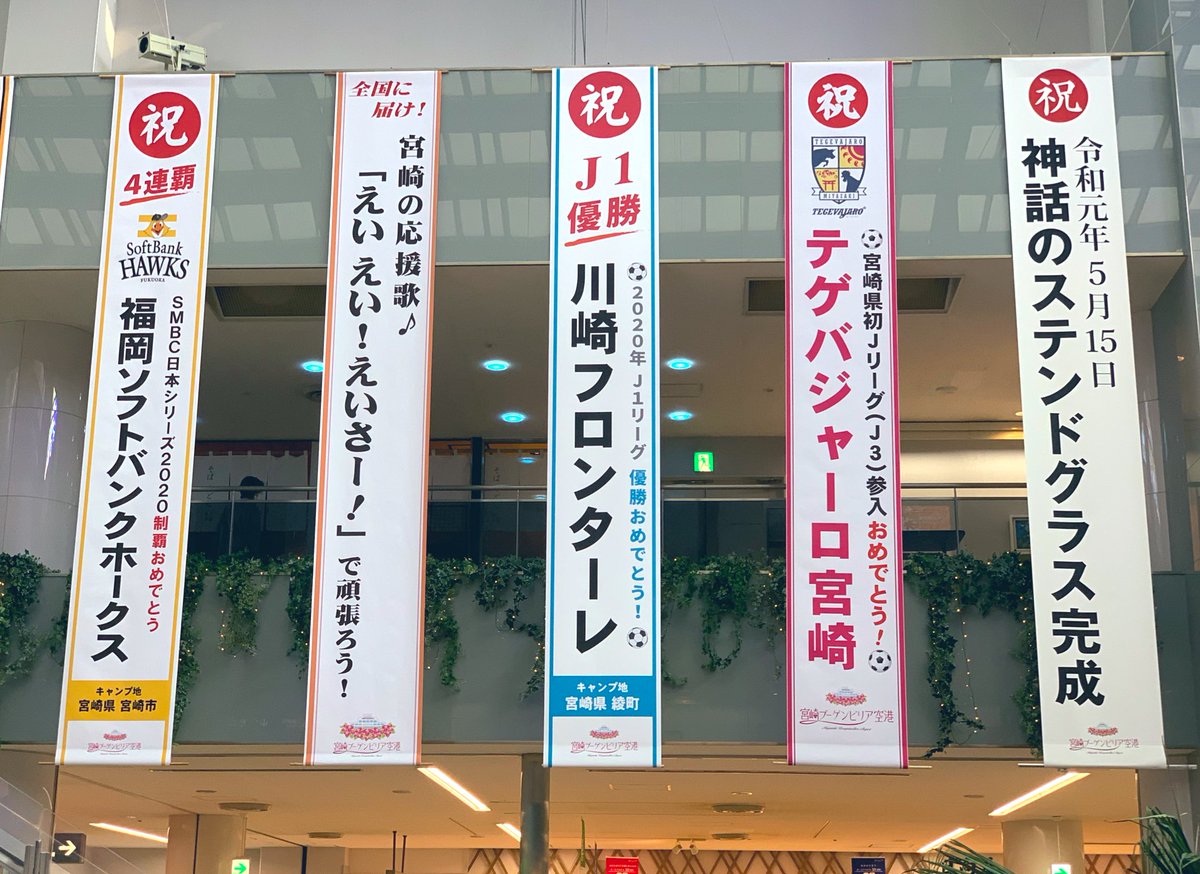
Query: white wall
<point x="51" y="36"/>
<point x="962" y="461"/>
<point x="324" y="34"/>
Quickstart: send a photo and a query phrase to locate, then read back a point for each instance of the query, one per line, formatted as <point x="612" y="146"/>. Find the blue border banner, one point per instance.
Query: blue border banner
<point x="603" y="543"/>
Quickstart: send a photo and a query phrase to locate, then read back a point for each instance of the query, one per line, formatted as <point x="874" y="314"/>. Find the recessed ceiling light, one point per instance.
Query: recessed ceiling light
<point x="680" y="415"/>
<point x="132" y="832"/>
<point x="312" y="366"/>
<point x="513" y="417"/>
<point x="511" y="830"/>
<point x="946" y="838"/>
<point x="1059" y="782"/>
<point x="1019" y="413"/>
<point x="496" y="365"/>
<point x="437" y="775"/>
<point x="527" y="459"/>
<point x="539" y="497"/>
<point x="681" y="364"/>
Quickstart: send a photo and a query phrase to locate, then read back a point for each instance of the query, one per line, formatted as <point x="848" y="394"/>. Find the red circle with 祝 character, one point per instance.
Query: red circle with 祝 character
<point x="837" y="100"/>
<point x="164" y="125"/>
<point x="604" y="104"/>
<point x="1058" y="95"/>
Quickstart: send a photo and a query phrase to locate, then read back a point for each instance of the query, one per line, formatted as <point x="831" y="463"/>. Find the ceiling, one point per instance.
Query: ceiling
<point x="804" y="809"/>
<point x="957" y="366"/>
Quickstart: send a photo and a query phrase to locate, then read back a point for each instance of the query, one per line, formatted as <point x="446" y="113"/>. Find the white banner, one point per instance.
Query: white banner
<point x="846" y="701"/>
<point x="130" y="544"/>
<point x="603" y="542"/>
<point x="1097" y="655"/>
<point x="368" y="618"/>
<point x="5" y="127"/>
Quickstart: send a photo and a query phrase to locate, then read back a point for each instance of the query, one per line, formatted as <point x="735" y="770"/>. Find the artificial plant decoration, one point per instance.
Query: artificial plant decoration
<point x="950" y="583"/>
<point x="1165" y="847"/>
<point x="20" y="583"/>
<point x="957" y="858"/>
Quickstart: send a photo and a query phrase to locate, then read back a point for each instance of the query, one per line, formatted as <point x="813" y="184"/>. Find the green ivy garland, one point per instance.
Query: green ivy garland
<point x="299" y="571"/>
<point x="678" y="578"/>
<point x="441" y="625"/>
<point x="243" y="582"/>
<point x="503" y="585"/>
<point x="188" y="667"/>
<point x="20" y="584"/>
<point x="950" y="583"/>
<point x="731" y="591"/>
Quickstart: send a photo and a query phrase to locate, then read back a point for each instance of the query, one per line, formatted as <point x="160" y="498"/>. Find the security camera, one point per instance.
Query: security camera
<point x="173" y="54"/>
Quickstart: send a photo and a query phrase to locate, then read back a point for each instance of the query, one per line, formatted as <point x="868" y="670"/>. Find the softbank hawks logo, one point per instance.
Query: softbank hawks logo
<point x="154" y="260"/>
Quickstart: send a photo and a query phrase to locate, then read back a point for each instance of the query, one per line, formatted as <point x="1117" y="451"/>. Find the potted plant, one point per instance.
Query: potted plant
<point x="1165" y="848"/>
<point x="956" y="858"/>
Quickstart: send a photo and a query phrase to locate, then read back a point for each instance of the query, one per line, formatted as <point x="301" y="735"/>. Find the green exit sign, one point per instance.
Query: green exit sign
<point x="1060" y="868"/>
<point x="704" y="462"/>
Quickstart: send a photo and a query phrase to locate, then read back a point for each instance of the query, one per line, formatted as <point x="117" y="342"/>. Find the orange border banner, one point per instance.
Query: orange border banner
<point x="131" y="538"/>
<point x="368" y="641"/>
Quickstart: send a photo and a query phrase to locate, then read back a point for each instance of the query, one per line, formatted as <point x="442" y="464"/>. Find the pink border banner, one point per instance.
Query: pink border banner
<point x="846" y="696"/>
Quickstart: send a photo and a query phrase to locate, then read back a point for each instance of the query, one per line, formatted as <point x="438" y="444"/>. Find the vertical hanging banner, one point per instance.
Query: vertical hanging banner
<point x="1097" y="652"/>
<point x="5" y="126"/>
<point x="602" y="566"/>
<point x="368" y="615"/>
<point x="131" y="539"/>
<point x="846" y="696"/>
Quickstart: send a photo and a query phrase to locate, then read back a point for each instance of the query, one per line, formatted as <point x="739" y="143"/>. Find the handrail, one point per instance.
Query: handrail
<point x="685" y="486"/>
<point x="7" y="858"/>
<point x="526" y="68"/>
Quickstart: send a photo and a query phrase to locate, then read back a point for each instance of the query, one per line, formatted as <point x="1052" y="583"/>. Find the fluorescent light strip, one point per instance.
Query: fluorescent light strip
<point x="511" y="830"/>
<point x="1040" y="792"/>
<point x="437" y="775"/>
<point x="946" y="838"/>
<point x="159" y="839"/>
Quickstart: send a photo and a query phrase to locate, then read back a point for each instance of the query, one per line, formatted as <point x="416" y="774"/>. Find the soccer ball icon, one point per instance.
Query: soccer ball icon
<point x="637" y="271"/>
<point x="637" y="637"/>
<point x="880" y="661"/>
<point x="872" y="239"/>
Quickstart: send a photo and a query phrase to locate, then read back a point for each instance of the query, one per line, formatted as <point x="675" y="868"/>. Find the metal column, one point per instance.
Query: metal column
<point x="535" y="815"/>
